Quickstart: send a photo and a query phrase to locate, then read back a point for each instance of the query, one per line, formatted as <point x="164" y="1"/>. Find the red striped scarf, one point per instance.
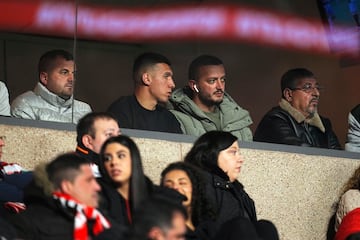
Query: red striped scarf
<point x="82" y="215"/>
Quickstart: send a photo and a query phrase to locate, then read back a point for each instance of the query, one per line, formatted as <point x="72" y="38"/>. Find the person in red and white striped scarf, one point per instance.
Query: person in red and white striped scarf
<point x="62" y="204"/>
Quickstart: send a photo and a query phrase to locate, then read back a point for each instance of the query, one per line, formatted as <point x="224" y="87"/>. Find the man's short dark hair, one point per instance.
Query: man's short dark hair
<point x="203" y="60"/>
<point x="86" y="124"/>
<point x="64" y="167"/>
<point x="291" y="78"/>
<point x="146" y="60"/>
<point x="47" y="60"/>
<point x="156" y="212"/>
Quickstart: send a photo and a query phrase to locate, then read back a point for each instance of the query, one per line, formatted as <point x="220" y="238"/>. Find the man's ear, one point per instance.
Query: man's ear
<point x="43" y="78"/>
<point x="191" y="84"/>
<point x="87" y="141"/>
<point x="155" y="233"/>
<point x="66" y="187"/>
<point x="146" y="79"/>
<point x="287" y="93"/>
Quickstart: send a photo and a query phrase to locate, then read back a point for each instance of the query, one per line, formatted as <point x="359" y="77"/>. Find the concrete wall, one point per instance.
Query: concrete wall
<point x="293" y="187"/>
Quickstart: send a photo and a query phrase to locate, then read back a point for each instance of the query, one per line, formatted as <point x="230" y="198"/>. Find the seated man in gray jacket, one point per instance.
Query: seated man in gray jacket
<point x="52" y="98"/>
<point x="353" y="136"/>
<point x="4" y="100"/>
<point x="203" y="105"/>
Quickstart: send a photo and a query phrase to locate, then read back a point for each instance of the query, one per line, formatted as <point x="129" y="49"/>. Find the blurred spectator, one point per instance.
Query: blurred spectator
<point x="13" y="179"/>
<point x="350" y="199"/>
<point x="62" y="203"/>
<point x="124" y="185"/>
<point x="92" y="131"/>
<point x="7" y="231"/>
<point x="159" y="219"/>
<point x="187" y="180"/>
<point x="349" y="228"/>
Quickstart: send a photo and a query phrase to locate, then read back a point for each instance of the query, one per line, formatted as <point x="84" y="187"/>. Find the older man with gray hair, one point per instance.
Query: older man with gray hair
<point x="296" y="120"/>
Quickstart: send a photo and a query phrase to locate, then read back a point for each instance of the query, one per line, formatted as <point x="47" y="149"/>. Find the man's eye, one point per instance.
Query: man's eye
<point x="109" y="135"/>
<point x="211" y="81"/>
<point x="107" y="158"/>
<point x="309" y="86"/>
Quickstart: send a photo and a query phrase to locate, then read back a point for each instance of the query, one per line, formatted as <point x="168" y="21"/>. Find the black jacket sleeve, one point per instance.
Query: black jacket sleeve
<point x="276" y="128"/>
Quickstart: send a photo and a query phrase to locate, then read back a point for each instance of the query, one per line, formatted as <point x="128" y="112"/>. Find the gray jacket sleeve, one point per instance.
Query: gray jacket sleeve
<point x="353" y="136"/>
<point x="4" y="100"/>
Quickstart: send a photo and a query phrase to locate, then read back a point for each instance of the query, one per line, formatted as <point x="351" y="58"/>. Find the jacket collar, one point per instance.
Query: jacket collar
<point x="92" y="157"/>
<point x="39" y="190"/>
<point x="50" y="97"/>
<point x="88" y="154"/>
<point x="220" y="182"/>
<point x="299" y="117"/>
<point x="182" y="98"/>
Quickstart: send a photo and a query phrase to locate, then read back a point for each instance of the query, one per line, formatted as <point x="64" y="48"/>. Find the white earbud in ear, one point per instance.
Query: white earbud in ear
<point x="195" y="88"/>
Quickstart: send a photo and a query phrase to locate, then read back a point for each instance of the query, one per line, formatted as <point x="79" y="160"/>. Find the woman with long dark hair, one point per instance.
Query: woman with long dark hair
<point x="218" y="154"/>
<point x="121" y="170"/>
<point x="124" y="187"/>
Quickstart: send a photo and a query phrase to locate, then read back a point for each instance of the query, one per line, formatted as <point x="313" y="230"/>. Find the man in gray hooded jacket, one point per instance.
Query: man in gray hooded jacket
<point x="52" y="98"/>
<point x="203" y="105"/>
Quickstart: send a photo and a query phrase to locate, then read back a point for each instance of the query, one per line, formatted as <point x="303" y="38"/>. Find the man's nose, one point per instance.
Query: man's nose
<point x="220" y="84"/>
<point x="71" y="77"/>
<point x="176" y="186"/>
<point x="97" y="186"/>
<point x="172" y="83"/>
<point x="316" y="92"/>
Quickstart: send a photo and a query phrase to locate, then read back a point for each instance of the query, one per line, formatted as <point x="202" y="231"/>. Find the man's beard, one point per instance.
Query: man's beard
<point x="311" y="110"/>
<point x="65" y="96"/>
<point x="209" y="102"/>
<point x="311" y="113"/>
